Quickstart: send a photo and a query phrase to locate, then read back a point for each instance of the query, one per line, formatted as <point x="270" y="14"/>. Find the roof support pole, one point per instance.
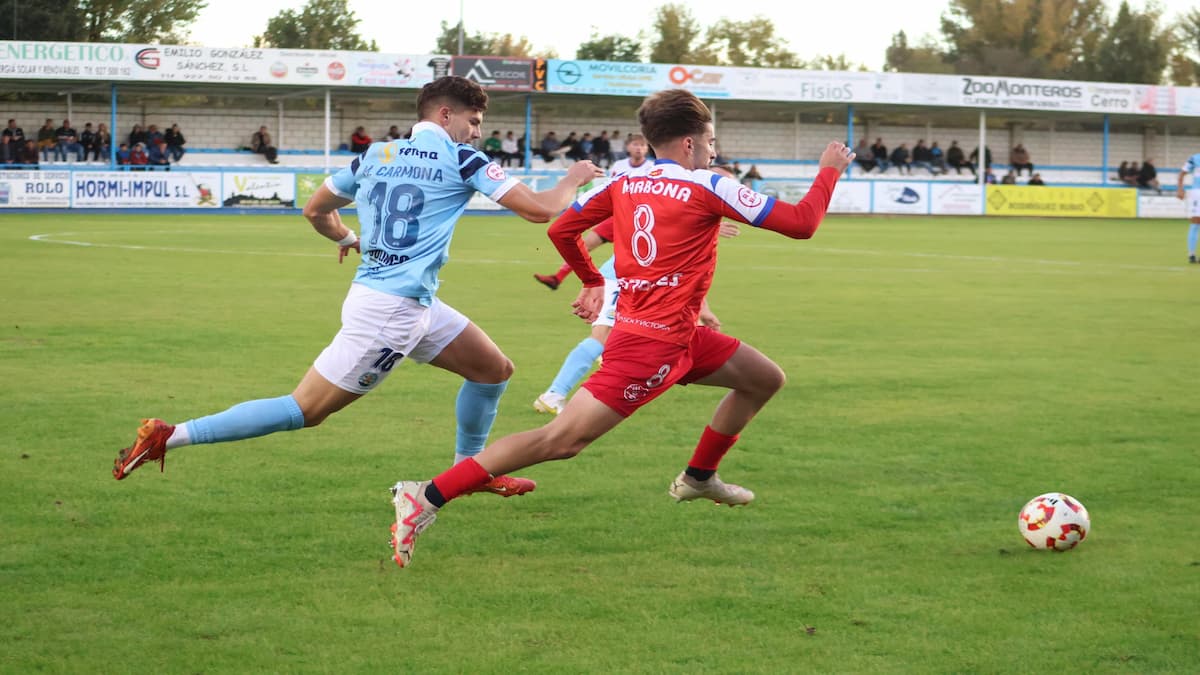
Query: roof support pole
<point x="528" y="132"/>
<point x="112" y="127"/>
<point x="850" y="133"/>
<point x="981" y="160"/>
<point x="1104" y="154"/>
<point x="279" y="141"/>
<point x="70" y="106"/>
<point x="327" y="132"/>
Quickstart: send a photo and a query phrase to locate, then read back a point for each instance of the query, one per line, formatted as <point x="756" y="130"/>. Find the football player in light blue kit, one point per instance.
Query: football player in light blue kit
<point x="410" y="194"/>
<point x="1192" y="200"/>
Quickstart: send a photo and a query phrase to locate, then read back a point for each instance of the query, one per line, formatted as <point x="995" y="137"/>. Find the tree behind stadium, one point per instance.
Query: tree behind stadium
<point x="157" y="21"/>
<point x="320" y="24"/>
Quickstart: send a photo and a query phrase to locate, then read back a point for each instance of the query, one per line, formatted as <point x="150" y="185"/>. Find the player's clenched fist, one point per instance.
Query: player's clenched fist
<point x="836" y="155"/>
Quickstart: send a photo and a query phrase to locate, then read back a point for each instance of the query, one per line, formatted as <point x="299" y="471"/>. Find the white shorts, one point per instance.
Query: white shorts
<point x="1192" y="199"/>
<point x="608" y="313"/>
<point x="378" y="330"/>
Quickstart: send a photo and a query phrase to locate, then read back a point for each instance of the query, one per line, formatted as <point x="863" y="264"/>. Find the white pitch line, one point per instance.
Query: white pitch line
<point x="1088" y="268"/>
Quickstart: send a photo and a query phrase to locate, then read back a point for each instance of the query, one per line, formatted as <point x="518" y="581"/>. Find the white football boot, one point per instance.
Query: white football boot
<point x="685" y="488"/>
<point x="550" y="402"/>
<point x="413" y="515"/>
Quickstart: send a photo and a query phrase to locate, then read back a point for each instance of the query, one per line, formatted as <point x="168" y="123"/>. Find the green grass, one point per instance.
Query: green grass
<point x="941" y="372"/>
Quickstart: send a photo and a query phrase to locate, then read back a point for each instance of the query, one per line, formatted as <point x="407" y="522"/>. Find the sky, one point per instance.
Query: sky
<point x="810" y="28"/>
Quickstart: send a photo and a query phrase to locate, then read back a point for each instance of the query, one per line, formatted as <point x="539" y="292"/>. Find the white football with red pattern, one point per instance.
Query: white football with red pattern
<point x="1054" y="521"/>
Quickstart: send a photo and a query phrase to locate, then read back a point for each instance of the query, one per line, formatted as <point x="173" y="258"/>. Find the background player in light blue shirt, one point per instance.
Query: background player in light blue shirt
<point x="1192" y="200"/>
<point x="410" y="194"/>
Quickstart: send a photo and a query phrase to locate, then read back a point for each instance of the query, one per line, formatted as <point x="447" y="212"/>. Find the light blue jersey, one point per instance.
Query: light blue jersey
<point x="609" y="269"/>
<point x="410" y="193"/>
<point x="1192" y="166"/>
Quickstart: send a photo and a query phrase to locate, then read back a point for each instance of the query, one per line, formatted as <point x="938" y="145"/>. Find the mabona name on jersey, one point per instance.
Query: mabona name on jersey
<point x="657" y="187"/>
<point x="425" y="173"/>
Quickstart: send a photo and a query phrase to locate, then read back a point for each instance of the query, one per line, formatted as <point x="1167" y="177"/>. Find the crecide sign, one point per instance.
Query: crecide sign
<point x="1076" y="202"/>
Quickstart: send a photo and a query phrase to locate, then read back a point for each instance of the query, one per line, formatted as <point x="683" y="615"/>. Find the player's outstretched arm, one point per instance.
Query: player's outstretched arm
<point x="322" y="212"/>
<point x="542" y="207"/>
<point x="801" y="220"/>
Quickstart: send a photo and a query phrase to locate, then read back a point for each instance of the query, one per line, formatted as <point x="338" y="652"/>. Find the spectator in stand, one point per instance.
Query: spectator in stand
<point x="1035" y="179"/>
<point x="602" y="150"/>
<point x="879" y="153"/>
<point x="138" y="159"/>
<point x="175" y="142"/>
<point x="509" y="151"/>
<point x="11" y="142"/>
<point x="570" y="147"/>
<point x="549" y="146"/>
<point x="1010" y="178"/>
<point x="937" y="158"/>
<point x="153" y="136"/>
<point x="46" y="140"/>
<point x="899" y="157"/>
<point x="922" y="157"/>
<point x="156" y="155"/>
<point x="955" y="159"/>
<point x="260" y="142"/>
<point x="987" y="158"/>
<point x="1148" y="176"/>
<point x="1019" y="159"/>
<point x="103" y="143"/>
<point x="359" y="140"/>
<point x="137" y="135"/>
<point x="1123" y="172"/>
<point x="1131" y="174"/>
<point x="493" y="146"/>
<point x="87" y="139"/>
<point x="586" y="146"/>
<point x="752" y="177"/>
<point x="989" y="177"/>
<point x="124" y="156"/>
<point x="617" y="142"/>
<point x="28" y="155"/>
<point x="68" y="141"/>
<point x="736" y="169"/>
<point x="864" y="156"/>
<point x="394" y="133"/>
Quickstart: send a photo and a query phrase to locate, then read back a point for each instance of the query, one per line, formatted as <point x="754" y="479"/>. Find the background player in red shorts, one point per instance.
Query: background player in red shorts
<point x="665" y="235"/>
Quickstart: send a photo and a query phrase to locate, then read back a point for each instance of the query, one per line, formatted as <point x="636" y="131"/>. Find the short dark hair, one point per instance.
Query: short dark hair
<point x="456" y="92"/>
<point x="671" y="114"/>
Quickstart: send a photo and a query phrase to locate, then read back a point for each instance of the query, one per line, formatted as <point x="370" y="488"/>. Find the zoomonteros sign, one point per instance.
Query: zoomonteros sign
<point x="831" y="86"/>
<point x="165" y="63"/>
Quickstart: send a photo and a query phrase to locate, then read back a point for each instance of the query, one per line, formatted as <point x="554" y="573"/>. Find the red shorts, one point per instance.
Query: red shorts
<point x="637" y="370"/>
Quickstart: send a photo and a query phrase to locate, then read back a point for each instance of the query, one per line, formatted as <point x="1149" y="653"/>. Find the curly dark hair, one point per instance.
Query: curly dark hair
<point x="671" y="114"/>
<point x="456" y="92"/>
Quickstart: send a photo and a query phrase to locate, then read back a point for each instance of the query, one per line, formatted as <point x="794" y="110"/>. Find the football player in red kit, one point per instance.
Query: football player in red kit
<point x="665" y="235"/>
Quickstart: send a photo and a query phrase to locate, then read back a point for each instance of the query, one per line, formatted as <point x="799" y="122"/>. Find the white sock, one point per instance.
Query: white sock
<point x="179" y="437"/>
<point x="458" y="457"/>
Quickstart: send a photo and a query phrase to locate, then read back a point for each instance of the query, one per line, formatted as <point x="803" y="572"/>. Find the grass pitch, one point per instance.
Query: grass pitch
<point x="942" y="372"/>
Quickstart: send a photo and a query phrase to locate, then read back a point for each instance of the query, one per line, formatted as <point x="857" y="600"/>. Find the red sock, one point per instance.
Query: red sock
<point x="712" y="447"/>
<point x="460" y="478"/>
<point x="562" y="272"/>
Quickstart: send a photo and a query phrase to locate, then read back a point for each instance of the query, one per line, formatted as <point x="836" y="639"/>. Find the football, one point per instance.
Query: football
<point x="1054" y="521"/>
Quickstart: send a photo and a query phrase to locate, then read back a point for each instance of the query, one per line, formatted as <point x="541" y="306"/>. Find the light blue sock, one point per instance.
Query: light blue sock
<point x="248" y="420"/>
<point x="576" y="365"/>
<point x="1193" y="235"/>
<point x="475" y="411"/>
